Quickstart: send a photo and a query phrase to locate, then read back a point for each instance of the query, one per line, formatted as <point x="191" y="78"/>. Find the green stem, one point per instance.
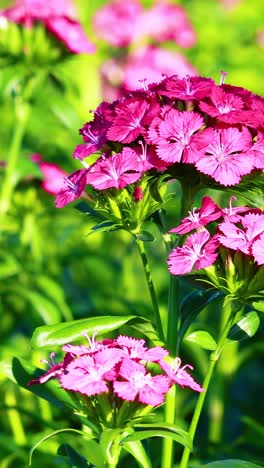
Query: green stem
<point x="230" y="308"/>
<point x="157" y="318"/>
<point x="22" y="114"/>
<point x="167" y="446"/>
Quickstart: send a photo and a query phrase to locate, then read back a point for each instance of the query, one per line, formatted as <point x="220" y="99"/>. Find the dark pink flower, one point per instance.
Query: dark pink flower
<point x="196" y="253"/>
<point x="227" y="157"/>
<point x="188" y="88"/>
<point x="131" y="119"/>
<point x="56" y="370"/>
<point x="138" y="384"/>
<point x="53" y="176"/>
<point x="179" y="375"/>
<point x="74" y="186"/>
<point x="198" y="218"/>
<point x="226" y="107"/>
<point x="117" y="171"/>
<point x="138" y="194"/>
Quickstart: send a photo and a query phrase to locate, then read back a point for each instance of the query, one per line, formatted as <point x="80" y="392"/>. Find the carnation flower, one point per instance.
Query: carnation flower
<point x="53" y="176"/>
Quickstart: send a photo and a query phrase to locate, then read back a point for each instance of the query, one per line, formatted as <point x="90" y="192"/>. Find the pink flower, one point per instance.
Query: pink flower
<point x="188" y="88"/>
<point x="74" y="186"/>
<point x="177" y="138"/>
<point x="56" y="370"/>
<point x="131" y="118"/>
<point x="198" y="218"/>
<point x="135" y="349"/>
<point x="137" y="383"/>
<point x="258" y="151"/>
<point x="232" y="213"/>
<point x="56" y="17"/>
<point x="179" y="375"/>
<point x="227" y="157"/>
<point x="90" y="374"/>
<point x="196" y="253"/>
<point x="237" y="238"/>
<point x="117" y="171"/>
<point x="222" y="105"/>
<point x="53" y="176"/>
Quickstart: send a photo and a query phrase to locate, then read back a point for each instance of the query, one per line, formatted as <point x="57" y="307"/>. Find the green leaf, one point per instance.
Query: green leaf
<point x="192" y="305"/>
<point x="93" y="450"/>
<point x="144" y="431"/>
<point x="203" y="339"/>
<point x="8" y="265"/>
<point x="44" y="307"/>
<point x="105" y="226"/>
<point x="232" y="464"/>
<point x="87" y="209"/>
<point x="56" y="293"/>
<point x="49" y="336"/>
<point x="137" y="450"/>
<point x="245" y="328"/>
<point x="145" y="236"/>
<point x="258" y="305"/>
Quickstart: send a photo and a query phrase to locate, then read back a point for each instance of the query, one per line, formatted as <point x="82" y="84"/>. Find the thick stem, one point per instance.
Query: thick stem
<point x="230" y="309"/>
<point x="157" y="319"/>
<point x="9" y="180"/>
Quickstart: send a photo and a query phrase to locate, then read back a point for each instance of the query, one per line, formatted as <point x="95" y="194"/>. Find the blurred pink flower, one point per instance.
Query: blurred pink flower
<point x="53" y="176"/>
<point x="74" y="185"/>
<point x="57" y="16"/>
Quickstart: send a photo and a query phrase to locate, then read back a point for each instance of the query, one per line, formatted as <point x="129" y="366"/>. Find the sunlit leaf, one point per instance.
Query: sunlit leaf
<point x="245" y="328"/>
<point x="203" y="339"/>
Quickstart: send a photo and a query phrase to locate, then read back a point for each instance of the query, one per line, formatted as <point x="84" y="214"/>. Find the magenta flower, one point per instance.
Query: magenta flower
<point x="177" y="137"/>
<point x="131" y="119"/>
<point x="53" y="176"/>
<point x="180" y="376"/>
<point x="258" y="151"/>
<point x="116" y="171"/>
<point x="227" y="157"/>
<point x="196" y="253"/>
<point x="198" y="218"/>
<point x="222" y="105"/>
<point x="56" y="370"/>
<point x="188" y="89"/>
<point x="137" y="383"/>
<point x="74" y="186"/>
<point x="56" y="17"/>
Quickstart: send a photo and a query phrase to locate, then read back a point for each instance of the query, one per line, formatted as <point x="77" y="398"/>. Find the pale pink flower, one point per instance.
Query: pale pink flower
<point x="138" y="384"/>
<point x="179" y="375"/>
<point x="117" y="171"/>
<point x="232" y="213"/>
<point x="242" y="238"/>
<point x="198" y="251"/>
<point x="199" y="217"/>
<point x="227" y="157"/>
<point x="258" y="151"/>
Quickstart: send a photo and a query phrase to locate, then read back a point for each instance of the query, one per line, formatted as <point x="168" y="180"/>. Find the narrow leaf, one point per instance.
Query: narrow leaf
<point x="141" y="435"/>
<point x="137" y="450"/>
<point x="232" y="464"/>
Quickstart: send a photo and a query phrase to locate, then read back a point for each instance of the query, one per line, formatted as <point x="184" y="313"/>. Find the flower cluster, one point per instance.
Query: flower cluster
<point x="124" y="368"/>
<point x="57" y="17"/>
<point x="231" y="239"/>
<point x="217" y="130"/>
